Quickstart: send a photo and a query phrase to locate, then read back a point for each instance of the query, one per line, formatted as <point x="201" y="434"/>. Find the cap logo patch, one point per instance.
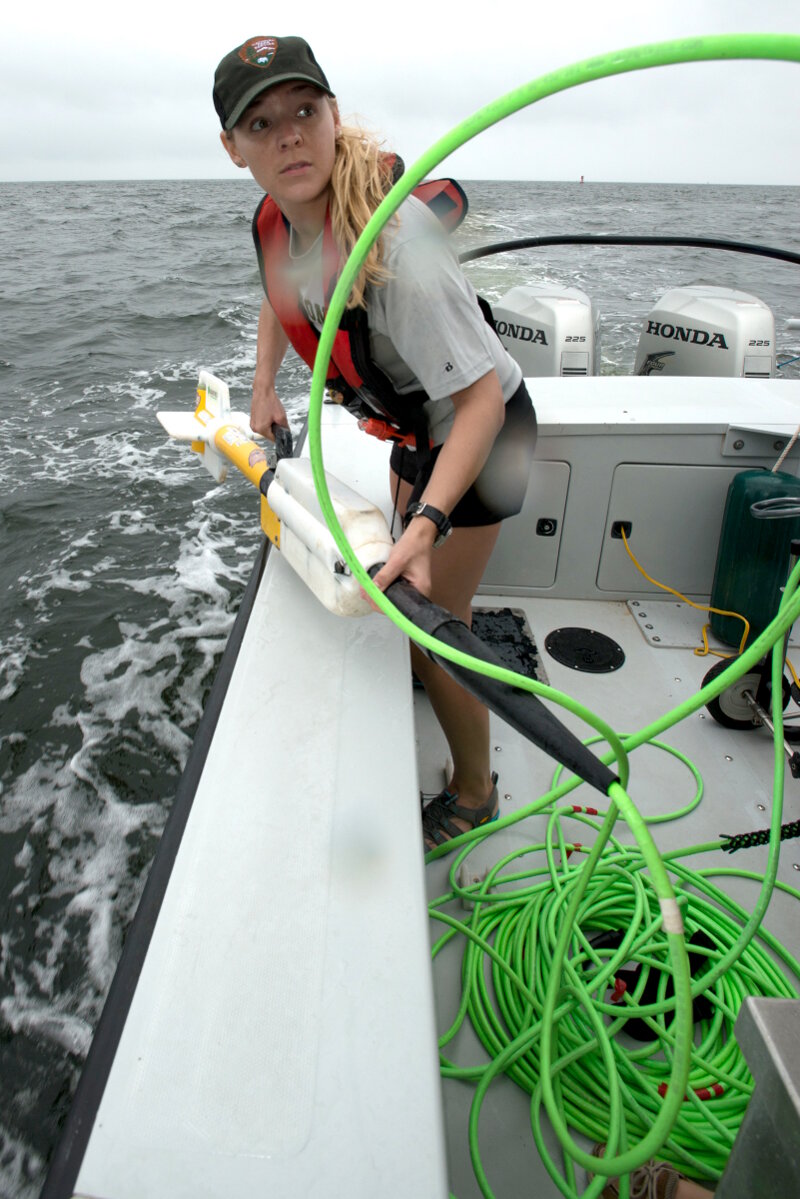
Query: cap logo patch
<point x="259" y="51"/>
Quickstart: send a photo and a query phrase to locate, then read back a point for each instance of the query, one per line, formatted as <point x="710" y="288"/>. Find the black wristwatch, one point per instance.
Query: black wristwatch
<point x="441" y="521"/>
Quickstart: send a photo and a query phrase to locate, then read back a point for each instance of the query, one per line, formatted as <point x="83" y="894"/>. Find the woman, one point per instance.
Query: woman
<point x="423" y="346"/>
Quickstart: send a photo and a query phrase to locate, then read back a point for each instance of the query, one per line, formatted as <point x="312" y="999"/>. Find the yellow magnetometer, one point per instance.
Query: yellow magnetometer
<point x="290" y="513"/>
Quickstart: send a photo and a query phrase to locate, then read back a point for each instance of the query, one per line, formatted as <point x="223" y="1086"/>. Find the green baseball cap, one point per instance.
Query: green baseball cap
<point x="260" y="63"/>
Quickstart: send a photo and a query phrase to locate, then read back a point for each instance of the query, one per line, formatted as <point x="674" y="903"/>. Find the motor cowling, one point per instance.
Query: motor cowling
<point x="705" y="330"/>
<point x="549" y="330"/>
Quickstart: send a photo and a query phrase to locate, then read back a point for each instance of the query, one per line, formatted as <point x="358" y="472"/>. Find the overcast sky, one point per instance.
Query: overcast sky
<point x="91" y="91"/>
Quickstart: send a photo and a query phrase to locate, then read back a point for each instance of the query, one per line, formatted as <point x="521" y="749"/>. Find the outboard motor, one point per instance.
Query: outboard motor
<point x="549" y="330"/>
<point x="704" y="330"/>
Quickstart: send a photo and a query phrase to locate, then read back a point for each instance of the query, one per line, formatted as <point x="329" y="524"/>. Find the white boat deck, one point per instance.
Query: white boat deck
<point x="282" y="1038"/>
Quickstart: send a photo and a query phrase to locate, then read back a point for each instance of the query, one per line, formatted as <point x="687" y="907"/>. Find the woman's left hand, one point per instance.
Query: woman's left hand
<point x="410" y="557"/>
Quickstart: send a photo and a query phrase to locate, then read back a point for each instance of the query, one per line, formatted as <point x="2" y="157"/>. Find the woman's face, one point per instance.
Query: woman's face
<point x="287" y="140"/>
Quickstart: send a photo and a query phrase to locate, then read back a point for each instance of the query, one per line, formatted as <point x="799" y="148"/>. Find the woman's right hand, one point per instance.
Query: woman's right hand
<point x="410" y="557"/>
<point x="266" y="410"/>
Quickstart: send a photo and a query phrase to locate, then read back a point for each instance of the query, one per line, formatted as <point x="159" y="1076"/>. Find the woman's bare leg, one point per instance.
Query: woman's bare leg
<point x="457" y="568"/>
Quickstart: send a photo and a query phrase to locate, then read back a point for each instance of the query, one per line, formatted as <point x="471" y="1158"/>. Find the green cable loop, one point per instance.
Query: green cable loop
<point x="785" y="47"/>
<point x="782" y="47"/>
<point x="567" y="1034"/>
<point x="676" y="753"/>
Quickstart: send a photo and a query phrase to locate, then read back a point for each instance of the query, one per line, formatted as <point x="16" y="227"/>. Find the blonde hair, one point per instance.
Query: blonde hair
<point x="362" y="176"/>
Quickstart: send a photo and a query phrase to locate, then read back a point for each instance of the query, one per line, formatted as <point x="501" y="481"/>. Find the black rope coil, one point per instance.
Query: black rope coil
<point x="759" y="837"/>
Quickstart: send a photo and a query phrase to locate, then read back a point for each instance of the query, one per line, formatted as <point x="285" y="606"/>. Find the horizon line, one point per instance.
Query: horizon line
<point x="578" y="181"/>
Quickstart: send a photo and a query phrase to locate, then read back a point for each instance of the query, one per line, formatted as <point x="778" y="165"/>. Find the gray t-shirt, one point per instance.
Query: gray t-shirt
<point x="426" y="329"/>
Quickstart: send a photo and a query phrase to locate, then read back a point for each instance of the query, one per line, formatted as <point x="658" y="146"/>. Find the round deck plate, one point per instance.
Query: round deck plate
<point x="584" y="649"/>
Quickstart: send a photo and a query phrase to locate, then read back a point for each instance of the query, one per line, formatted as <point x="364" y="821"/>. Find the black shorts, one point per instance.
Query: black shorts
<point x="499" y="490"/>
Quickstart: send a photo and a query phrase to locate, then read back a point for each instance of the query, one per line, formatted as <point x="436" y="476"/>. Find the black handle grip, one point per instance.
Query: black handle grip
<point x="521" y="709"/>
<point x="284" y="444"/>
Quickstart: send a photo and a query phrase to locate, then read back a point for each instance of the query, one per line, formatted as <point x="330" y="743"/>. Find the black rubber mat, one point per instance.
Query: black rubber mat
<point x="508" y="633"/>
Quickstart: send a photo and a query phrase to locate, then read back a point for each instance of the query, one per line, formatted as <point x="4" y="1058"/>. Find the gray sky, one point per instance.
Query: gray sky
<point x="90" y="92"/>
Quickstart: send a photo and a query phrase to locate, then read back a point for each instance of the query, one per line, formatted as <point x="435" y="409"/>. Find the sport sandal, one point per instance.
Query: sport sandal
<point x="653" y="1180"/>
<point x="437" y="825"/>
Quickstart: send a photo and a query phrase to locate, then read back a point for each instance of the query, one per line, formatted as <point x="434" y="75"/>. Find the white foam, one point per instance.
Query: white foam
<point x="14" y="652"/>
<point x="85" y="840"/>
<point x="69" y="1032"/>
<point x="62" y="580"/>
<point x="103" y="945"/>
<point x="68" y="798"/>
<point x="29" y="795"/>
<point x="132" y="523"/>
<point x="21" y="1168"/>
<point x="23" y="859"/>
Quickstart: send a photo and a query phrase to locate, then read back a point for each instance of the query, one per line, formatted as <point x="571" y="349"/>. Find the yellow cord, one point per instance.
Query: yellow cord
<point x="707" y="651"/>
<point x="701" y="653"/>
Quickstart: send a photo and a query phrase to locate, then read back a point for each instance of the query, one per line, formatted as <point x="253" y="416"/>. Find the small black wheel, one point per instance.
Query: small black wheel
<point x="730" y="707"/>
<point x="764" y="695"/>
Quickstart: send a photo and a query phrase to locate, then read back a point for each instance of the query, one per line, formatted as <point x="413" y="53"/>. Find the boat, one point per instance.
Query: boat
<point x="275" y="1026"/>
<point x="273" y="1014"/>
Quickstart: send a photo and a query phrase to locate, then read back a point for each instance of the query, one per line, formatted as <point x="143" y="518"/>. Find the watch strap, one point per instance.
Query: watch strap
<point x="439" y="518"/>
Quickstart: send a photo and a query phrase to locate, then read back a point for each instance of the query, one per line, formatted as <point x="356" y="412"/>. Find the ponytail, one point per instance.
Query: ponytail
<point x="361" y="178"/>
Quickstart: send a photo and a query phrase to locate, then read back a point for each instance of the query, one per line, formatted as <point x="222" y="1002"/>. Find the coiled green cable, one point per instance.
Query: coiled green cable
<point x="564" y="986"/>
<point x="519" y="927"/>
<point x="523" y="929"/>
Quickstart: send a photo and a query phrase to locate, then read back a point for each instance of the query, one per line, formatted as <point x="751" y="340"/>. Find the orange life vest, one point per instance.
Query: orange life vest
<point x="365" y="389"/>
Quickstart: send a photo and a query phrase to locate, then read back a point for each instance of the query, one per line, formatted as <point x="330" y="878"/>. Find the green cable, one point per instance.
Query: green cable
<point x="675" y="753"/>
<point x="559" y="1045"/>
<point x="659" y="1130"/>
<point x="690" y="1145"/>
<point x="741" y="665"/>
<point x="758" y="46"/>
<point x="690" y="1148"/>
<point x="782" y="47"/>
<point x="511" y="1031"/>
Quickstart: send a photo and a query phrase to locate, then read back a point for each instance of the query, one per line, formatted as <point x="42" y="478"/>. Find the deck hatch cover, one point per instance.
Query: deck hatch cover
<point x="584" y="649"/>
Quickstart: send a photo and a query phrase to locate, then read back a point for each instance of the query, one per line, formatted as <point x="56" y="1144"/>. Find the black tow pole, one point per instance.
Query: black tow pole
<point x="521" y="709"/>
<point x="518" y="708"/>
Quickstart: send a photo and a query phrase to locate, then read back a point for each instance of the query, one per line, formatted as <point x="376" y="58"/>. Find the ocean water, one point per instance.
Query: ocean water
<point x="122" y="563"/>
